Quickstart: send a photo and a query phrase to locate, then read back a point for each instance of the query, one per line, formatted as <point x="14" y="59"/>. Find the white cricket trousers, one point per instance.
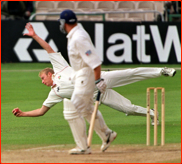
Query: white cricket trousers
<point x="84" y="84"/>
<point x="81" y="100"/>
<point x="124" y="77"/>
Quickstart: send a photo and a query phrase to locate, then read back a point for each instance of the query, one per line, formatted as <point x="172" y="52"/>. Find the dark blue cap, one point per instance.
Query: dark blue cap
<point x="69" y="16"/>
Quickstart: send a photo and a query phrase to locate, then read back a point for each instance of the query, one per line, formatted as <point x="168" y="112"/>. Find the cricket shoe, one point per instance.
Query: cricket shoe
<point x="111" y="136"/>
<point x="152" y="119"/>
<point x="168" y="71"/>
<point x="77" y="151"/>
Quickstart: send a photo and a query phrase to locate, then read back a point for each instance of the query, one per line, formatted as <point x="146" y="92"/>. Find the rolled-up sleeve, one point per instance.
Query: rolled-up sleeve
<point x="57" y="61"/>
<point x="52" y="99"/>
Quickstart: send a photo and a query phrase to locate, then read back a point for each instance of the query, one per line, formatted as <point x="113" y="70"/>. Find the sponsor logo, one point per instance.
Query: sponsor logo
<point x="22" y="45"/>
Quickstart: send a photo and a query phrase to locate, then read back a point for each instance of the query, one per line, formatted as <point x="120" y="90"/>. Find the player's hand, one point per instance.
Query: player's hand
<point x="30" y="29"/>
<point x="17" y="112"/>
<point x="101" y="85"/>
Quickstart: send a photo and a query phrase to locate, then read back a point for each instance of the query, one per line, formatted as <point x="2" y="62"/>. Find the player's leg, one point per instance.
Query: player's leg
<point x="84" y="86"/>
<point x="106" y="134"/>
<point x="116" y="101"/>
<point x="78" y="128"/>
<point x="128" y="76"/>
<point x="83" y="92"/>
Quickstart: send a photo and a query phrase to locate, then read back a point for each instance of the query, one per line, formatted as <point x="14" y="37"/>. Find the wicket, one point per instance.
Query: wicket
<point x="155" y="115"/>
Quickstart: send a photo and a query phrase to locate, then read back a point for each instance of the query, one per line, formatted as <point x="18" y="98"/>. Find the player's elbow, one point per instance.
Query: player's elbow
<point x="43" y="110"/>
<point x="41" y="113"/>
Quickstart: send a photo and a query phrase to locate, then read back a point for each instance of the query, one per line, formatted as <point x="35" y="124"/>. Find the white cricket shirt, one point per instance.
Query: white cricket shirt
<point x="62" y="86"/>
<point x="81" y="51"/>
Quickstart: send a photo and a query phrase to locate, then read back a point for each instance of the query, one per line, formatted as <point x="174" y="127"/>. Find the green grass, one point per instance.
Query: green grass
<point x="23" y="89"/>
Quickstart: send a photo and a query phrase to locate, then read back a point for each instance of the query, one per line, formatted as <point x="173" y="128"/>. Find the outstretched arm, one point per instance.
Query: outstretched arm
<point x="34" y="113"/>
<point x="42" y="42"/>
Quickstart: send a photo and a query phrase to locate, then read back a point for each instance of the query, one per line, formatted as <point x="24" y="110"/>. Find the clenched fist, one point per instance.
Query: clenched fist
<point x="16" y="112"/>
<point x="101" y="85"/>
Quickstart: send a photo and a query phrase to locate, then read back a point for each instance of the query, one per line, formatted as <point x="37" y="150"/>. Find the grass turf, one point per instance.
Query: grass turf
<point x="22" y="88"/>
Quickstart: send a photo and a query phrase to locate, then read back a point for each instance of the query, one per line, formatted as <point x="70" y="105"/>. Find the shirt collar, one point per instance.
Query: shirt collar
<point x="53" y="85"/>
<point x="72" y="31"/>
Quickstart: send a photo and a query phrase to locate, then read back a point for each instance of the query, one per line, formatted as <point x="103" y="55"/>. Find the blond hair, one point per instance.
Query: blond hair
<point x="46" y="71"/>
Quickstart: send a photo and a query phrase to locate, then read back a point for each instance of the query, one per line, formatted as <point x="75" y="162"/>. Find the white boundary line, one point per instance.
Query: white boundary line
<point x="44" y="147"/>
<point x="41" y="148"/>
<point x="34" y="70"/>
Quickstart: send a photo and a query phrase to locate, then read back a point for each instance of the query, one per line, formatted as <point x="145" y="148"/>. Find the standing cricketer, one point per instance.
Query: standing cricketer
<point x="87" y="66"/>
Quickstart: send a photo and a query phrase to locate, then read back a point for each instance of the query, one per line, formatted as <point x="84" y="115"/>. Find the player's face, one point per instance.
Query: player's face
<point x="62" y="26"/>
<point x="46" y="79"/>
